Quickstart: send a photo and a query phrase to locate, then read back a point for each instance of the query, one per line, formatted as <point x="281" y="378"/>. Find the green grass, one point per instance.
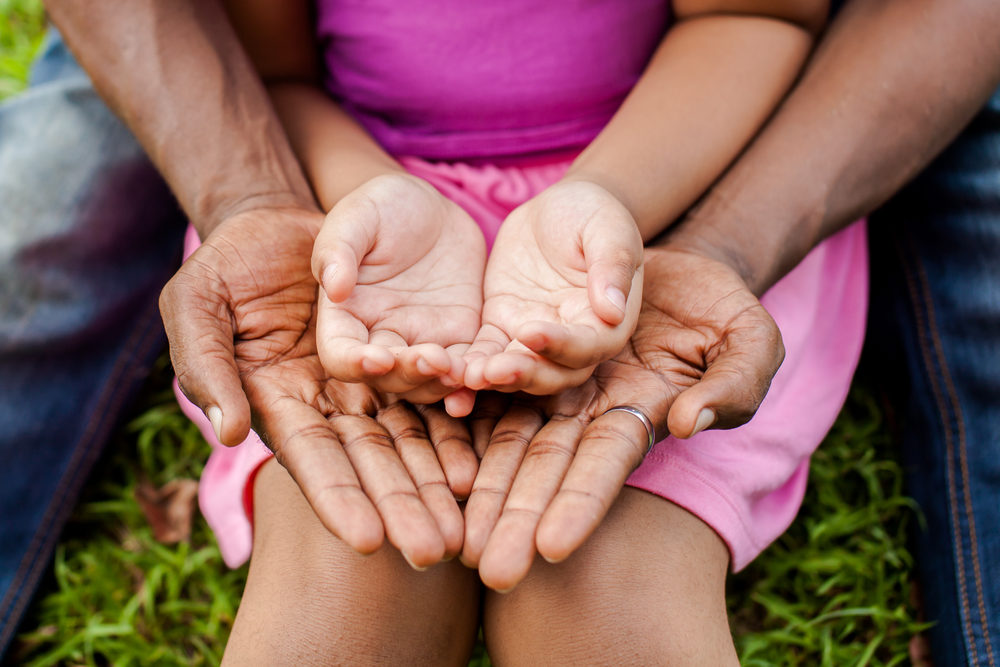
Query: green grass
<point x="834" y="590"/>
<point x="21" y="24"/>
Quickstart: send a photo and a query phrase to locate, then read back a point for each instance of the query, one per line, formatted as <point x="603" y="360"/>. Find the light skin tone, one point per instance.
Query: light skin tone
<point x="357" y="212"/>
<point x="550" y="310"/>
<point x="893" y="80"/>
<point x="240" y="314"/>
<point x="759" y="221"/>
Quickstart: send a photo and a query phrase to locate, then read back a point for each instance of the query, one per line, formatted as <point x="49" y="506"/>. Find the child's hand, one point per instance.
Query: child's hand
<point x="562" y="291"/>
<point x="400" y="269"/>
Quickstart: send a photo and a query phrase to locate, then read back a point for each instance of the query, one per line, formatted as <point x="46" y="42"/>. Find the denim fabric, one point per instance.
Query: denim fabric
<point x="88" y="235"/>
<point x="936" y="281"/>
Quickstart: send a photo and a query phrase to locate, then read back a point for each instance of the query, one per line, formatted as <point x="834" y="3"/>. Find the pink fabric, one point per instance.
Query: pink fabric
<point x="746" y="483"/>
<point x="454" y="80"/>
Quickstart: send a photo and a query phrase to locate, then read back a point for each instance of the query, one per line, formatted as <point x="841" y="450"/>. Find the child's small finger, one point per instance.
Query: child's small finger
<point x="519" y="371"/>
<point x="349" y="360"/>
<point x="574" y="346"/>
<point x="419" y="363"/>
<point x="490" y="340"/>
<point x="460" y="402"/>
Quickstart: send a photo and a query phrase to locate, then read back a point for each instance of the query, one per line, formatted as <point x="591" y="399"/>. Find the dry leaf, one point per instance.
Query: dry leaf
<point x="169" y="509"/>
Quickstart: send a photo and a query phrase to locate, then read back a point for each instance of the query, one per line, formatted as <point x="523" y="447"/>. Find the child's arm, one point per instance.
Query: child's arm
<point x="400" y="266"/>
<point x="715" y="78"/>
<point x="721" y="70"/>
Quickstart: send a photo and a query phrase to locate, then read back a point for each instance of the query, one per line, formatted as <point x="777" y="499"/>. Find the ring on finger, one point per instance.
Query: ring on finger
<point x="641" y="416"/>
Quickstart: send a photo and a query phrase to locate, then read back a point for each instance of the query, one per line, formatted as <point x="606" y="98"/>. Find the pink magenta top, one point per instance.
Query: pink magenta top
<point x="477" y="90"/>
<point x="454" y="79"/>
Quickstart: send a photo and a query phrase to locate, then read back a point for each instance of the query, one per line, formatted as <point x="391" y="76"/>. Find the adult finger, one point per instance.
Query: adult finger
<point x="349" y="470"/>
<point x="612" y="446"/>
<point x="490" y="407"/>
<point x="453" y="444"/>
<point x="421" y="461"/>
<point x="409" y="524"/>
<point x="735" y="382"/>
<point x="304" y="442"/>
<point x="348" y="234"/>
<point x="198" y="321"/>
<point x="510" y="549"/>
<point x="497" y="470"/>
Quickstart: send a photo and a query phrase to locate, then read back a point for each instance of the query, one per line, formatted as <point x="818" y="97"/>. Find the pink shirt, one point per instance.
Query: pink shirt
<point x="458" y="79"/>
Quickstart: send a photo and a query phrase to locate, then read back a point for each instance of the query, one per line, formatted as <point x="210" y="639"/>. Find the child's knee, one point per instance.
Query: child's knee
<point x="311" y="599"/>
<point x="647" y="588"/>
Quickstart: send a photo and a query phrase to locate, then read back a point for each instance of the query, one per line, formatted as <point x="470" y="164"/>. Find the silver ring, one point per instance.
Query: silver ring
<point x="636" y="412"/>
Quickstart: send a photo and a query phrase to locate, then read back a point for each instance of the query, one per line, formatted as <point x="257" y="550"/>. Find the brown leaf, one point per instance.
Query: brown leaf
<point x="168" y="509"/>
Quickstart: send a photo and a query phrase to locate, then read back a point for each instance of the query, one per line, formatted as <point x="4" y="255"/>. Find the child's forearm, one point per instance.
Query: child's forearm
<point x="337" y="154"/>
<point x="712" y="83"/>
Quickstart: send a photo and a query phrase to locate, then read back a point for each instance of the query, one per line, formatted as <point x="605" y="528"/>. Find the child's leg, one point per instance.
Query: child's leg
<point x="311" y="600"/>
<point x="647" y="588"/>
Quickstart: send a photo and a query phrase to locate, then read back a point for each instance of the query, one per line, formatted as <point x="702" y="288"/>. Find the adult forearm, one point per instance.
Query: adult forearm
<point x="179" y="78"/>
<point x="891" y="84"/>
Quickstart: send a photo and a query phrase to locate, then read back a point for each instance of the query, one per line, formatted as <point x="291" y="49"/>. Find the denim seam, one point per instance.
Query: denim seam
<point x="923" y="307"/>
<point x="85" y="453"/>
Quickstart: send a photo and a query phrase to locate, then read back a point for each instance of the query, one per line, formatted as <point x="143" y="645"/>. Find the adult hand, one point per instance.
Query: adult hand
<point x="401" y="268"/>
<point x="703" y="355"/>
<point x="240" y="316"/>
<point x="562" y="291"/>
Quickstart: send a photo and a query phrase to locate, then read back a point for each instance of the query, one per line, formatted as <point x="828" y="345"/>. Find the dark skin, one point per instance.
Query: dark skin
<point x="808" y="173"/>
<point x="240" y="314"/>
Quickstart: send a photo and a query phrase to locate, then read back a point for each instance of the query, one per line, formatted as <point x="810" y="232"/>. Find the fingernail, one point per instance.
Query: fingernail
<point x="553" y="561"/>
<point x="330" y="274"/>
<point x="424" y="368"/>
<point x="371" y="366"/>
<point x="616" y="297"/>
<point x="214" y="414"/>
<point x="705" y="419"/>
<point x="415" y="567"/>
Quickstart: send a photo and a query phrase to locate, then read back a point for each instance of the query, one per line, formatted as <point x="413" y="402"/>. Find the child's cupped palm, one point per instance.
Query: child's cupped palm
<point x="405" y="298"/>
<point x="401" y="272"/>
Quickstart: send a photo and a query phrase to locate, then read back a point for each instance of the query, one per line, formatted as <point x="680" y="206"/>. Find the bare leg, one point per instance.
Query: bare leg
<point x="647" y="588"/>
<point x="311" y="600"/>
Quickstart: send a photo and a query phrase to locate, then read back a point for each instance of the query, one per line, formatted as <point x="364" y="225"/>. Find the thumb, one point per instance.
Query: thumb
<point x="734" y="384"/>
<point x="348" y="234"/>
<point x="612" y="251"/>
<point x="203" y="356"/>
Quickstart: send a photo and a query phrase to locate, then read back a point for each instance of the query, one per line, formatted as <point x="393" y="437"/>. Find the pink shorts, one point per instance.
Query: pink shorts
<point x="746" y="483"/>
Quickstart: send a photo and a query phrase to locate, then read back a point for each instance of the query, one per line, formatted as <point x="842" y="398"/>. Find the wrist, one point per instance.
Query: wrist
<point x="760" y="249"/>
<point x="588" y="176"/>
<point x="218" y="208"/>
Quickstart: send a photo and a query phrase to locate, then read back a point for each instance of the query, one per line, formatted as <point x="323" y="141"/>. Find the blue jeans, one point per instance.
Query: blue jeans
<point x="936" y="300"/>
<point x="89" y="233"/>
